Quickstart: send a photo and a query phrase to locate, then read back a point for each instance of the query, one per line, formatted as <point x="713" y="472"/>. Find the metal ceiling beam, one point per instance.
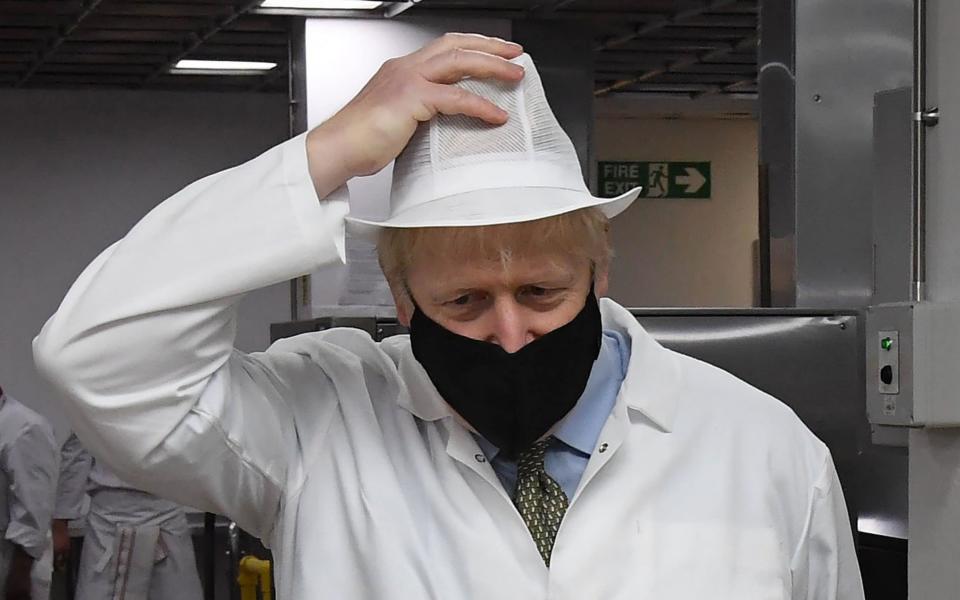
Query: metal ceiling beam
<point x="197" y="39"/>
<point x="113" y="58"/>
<point x="677" y="65"/>
<point x="22" y="33"/>
<point x="687" y="33"/>
<point x="689" y="92"/>
<point x="728" y="88"/>
<point x="176" y="23"/>
<point x="98" y="69"/>
<point x="398" y="8"/>
<point x="34" y="21"/>
<point x="717" y="68"/>
<point x="473" y="12"/>
<point x="723" y="20"/>
<point x="705" y="79"/>
<point x="675" y="19"/>
<point x="88" y="7"/>
<point x="647" y="46"/>
<point x="134" y="8"/>
<point x="15" y="57"/>
<point x="82" y="78"/>
<point x="48" y="7"/>
<point x="159" y="50"/>
<point x="667" y="88"/>
<point x="539" y="10"/>
<point x="18" y="46"/>
<point x="643" y="61"/>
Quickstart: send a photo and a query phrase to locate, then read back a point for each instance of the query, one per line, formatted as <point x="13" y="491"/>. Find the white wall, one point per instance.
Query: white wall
<point x="79" y="168"/>
<point x="685" y="252"/>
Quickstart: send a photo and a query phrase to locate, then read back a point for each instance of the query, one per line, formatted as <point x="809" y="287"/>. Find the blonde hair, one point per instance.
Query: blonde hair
<point x="580" y="233"/>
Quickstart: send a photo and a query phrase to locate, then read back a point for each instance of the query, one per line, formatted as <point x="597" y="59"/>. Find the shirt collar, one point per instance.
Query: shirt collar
<point x="581" y="427"/>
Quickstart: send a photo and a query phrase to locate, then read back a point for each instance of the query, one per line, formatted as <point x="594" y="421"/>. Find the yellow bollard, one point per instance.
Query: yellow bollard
<point x="254" y="571"/>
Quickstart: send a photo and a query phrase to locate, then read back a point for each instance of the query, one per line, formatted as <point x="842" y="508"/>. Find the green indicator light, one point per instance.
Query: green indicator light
<point x="886" y="343"/>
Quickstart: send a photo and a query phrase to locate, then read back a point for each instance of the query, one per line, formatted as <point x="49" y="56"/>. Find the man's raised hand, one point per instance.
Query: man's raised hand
<point x="375" y="126"/>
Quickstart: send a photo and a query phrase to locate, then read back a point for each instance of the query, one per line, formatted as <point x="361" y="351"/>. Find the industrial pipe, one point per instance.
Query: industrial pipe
<point x="922" y="118"/>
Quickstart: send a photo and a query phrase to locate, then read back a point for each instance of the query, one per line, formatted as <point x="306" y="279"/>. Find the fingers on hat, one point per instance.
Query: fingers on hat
<point x="459" y="63"/>
<point x="474" y="41"/>
<point x="452" y="100"/>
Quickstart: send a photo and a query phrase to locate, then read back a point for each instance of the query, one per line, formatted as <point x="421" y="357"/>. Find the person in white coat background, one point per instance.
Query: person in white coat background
<point x="146" y="535"/>
<point x="527" y="440"/>
<point x="28" y="483"/>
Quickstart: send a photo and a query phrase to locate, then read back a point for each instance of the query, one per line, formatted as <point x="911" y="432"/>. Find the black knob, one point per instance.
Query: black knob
<point x="886" y="375"/>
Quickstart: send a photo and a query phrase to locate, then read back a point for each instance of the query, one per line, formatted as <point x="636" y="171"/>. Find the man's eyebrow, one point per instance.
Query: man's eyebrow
<point x="552" y="276"/>
<point x="560" y="277"/>
<point x="566" y="276"/>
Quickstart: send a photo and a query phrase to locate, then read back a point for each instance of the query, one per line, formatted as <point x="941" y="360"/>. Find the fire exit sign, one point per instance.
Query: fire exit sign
<point x="664" y="179"/>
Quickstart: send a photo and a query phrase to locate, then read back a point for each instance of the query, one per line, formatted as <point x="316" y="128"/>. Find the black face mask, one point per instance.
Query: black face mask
<point x="510" y="399"/>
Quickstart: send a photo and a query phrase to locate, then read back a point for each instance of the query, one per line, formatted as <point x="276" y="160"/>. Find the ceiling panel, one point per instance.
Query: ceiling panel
<point x="672" y="47"/>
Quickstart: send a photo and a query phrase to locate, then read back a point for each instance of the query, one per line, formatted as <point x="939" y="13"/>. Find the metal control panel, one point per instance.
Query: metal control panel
<point x="889" y="362"/>
<point x="912" y="361"/>
<point x="889" y="371"/>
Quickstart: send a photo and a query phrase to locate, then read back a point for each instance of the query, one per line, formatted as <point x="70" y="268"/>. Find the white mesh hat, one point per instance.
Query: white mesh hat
<point x="461" y="171"/>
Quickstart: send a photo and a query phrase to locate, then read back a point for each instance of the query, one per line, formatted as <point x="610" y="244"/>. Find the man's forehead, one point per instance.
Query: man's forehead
<point x="469" y="272"/>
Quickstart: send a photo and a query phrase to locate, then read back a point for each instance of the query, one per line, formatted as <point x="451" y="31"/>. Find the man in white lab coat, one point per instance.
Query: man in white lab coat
<point x="526" y="441"/>
<point x="136" y="545"/>
<point x="28" y="482"/>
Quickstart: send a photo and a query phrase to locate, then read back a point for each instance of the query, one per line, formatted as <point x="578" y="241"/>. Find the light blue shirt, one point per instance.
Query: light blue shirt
<point x="567" y="458"/>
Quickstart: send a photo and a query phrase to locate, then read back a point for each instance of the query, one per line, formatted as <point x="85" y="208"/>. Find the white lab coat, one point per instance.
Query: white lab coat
<point x="28" y="482"/>
<point x="136" y="546"/>
<point x="341" y="455"/>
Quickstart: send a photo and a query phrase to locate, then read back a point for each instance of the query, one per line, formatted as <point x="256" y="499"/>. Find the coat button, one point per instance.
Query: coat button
<point x="603" y="447"/>
<point x="480" y="458"/>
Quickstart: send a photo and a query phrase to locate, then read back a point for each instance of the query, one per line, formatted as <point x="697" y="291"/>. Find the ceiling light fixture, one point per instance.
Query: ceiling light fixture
<point x="221" y="67"/>
<point x="322" y="4"/>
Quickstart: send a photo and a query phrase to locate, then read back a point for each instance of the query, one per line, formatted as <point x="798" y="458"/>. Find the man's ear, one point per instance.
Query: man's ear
<point x="601" y="281"/>
<point x="403" y="303"/>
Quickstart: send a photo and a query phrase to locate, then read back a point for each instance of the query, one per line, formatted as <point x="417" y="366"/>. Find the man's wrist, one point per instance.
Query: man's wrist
<point x="329" y="168"/>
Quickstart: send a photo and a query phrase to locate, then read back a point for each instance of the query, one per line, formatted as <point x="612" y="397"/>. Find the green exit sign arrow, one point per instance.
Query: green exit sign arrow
<point x="693" y="181"/>
<point x="660" y="179"/>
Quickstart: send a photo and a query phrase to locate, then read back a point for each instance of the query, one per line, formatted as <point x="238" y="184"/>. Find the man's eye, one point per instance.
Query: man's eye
<point x="537" y="291"/>
<point x="469" y="299"/>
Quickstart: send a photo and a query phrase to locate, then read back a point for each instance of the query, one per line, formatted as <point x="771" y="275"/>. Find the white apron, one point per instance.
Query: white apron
<point x="151" y="559"/>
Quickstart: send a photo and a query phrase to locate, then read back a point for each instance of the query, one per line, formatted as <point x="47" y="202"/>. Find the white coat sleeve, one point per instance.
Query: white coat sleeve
<point x="825" y="563"/>
<point x="142" y="345"/>
<point x="31" y="466"/>
<point x="75" y="466"/>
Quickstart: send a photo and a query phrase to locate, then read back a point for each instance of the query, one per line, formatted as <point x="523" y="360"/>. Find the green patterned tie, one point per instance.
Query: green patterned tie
<point x="539" y="499"/>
